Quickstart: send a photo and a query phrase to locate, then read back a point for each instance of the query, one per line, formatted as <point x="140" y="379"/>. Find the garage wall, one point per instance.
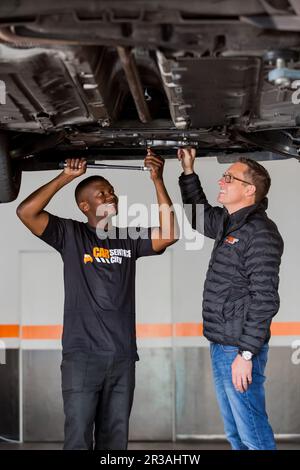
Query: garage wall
<point x="173" y="376"/>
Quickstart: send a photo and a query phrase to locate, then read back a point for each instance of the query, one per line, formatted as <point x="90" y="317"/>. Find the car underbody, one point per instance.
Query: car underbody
<point x="107" y="79"/>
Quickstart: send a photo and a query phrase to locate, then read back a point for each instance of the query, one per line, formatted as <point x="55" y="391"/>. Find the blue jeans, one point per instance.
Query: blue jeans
<point x="244" y="414"/>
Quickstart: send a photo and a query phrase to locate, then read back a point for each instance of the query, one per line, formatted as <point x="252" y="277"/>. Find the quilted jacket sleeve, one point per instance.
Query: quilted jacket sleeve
<point x="202" y="216"/>
<point x="262" y="263"/>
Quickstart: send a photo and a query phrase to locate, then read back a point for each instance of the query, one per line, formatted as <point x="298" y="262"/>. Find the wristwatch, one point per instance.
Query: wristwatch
<point x="247" y="355"/>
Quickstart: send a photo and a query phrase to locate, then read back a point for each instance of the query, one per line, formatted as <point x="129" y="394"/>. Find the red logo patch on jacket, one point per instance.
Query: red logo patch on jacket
<point x="231" y="240"/>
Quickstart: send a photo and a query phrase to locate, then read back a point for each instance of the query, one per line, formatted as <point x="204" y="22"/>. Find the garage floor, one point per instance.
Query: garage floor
<point x="183" y="445"/>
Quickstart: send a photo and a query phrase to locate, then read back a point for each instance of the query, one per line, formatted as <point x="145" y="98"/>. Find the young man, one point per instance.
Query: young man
<point x="240" y="294"/>
<point x="99" y="338"/>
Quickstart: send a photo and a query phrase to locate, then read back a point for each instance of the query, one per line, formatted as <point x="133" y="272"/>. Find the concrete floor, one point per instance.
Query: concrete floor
<point x="181" y="445"/>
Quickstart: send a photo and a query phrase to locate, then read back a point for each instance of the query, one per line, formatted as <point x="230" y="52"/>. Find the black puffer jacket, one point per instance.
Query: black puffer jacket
<point x="241" y="289"/>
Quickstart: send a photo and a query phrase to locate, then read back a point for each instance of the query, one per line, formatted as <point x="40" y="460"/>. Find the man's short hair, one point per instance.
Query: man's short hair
<point x="84" y="184"/>
<point x="257" y="175"/>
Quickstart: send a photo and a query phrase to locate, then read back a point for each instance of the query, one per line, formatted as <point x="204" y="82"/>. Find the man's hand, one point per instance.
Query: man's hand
<point x="75" y="167"/>
<point x="241" y="373"/>
<point x="187" y="158"/>
<point x="156" y="164"/>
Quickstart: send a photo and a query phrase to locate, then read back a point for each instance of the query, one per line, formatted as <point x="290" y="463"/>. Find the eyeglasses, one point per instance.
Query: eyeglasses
<point x="229" y="178"/>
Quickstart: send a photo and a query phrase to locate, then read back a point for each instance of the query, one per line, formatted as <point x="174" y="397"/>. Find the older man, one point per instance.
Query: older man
<point x="240" y="294"/>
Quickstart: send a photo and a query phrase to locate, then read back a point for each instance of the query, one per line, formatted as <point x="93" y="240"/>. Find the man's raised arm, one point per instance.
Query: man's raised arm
<point x="31" y="210"/>
<point x="168" y="232"/>
<point x="202" y="216"/>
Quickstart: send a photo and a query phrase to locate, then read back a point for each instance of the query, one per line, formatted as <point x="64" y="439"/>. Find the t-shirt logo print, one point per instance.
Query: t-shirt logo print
<point x="87" y="259"/>
<point x="106" y="256"/>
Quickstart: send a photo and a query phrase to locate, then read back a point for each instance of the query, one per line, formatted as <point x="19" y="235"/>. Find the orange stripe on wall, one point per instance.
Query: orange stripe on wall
<point x="144" y="330"/>
<point x="285" y="328"/>
<point x="188" y="329"/>
<point x="9" y="331"/>
<point x="155" y="330"/>
<point x="41" y="332"/>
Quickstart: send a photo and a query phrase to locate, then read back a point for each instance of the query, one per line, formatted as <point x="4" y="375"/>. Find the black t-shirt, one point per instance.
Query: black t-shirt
<point x="99" y="280"/>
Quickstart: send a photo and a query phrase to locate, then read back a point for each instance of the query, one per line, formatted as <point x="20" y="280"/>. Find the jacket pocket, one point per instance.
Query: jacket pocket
<point x="235" y="317"/>
<point x="233" y="308"/>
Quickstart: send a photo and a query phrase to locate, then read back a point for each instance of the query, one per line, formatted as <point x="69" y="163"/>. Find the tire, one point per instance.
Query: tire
<point x="10" y="174"/>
